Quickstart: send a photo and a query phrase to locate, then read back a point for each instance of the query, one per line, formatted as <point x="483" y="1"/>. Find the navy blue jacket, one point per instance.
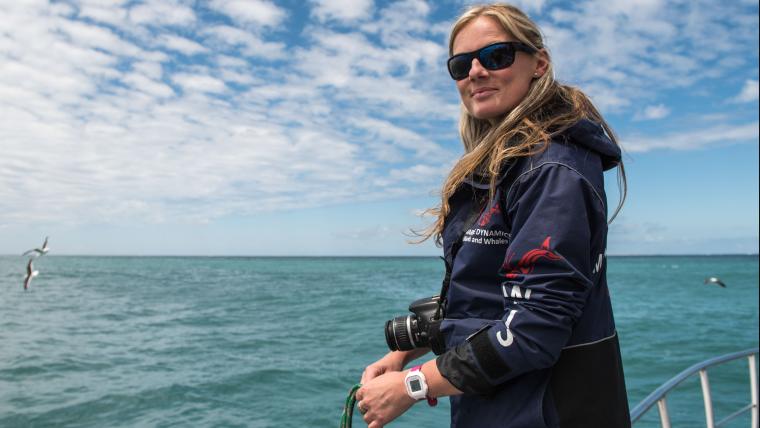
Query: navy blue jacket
<point x="530" y="336"/>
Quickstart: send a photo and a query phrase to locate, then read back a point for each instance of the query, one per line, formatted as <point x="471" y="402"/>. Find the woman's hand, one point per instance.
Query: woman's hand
<point x="391" y="362"/>
<point x="383" y="398"/>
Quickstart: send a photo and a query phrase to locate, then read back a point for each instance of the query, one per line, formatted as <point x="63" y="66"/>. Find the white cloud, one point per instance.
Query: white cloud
<point x="162" y="12"/>
<point x="152" y="69"/>
<point x="626" y="230"/>
<point x="658" y="111"/>
<point x="95" y="36"/>
<point x="260" y="12"/>
<point x="399" y="21"/>
<point x="750" y="92"/>
<point x="367" y="233"/>
<point x="397" y="80"/>
<point x="157" y="139"/>
<point x="420" y="174"/>
<point x="232" y="76"/>
<point x="695" y="139"/>
<point x="182" y="44"/>
<point x="253" y="46"/>
<point x="260" y="123"/>
<point x="378" y="131"/>
<point x="199" y="82"/>
<point x="151" y="87"/>
<point x="628" y="238"/>
<point x="714" y="117"/>
<point x="226" y="61"/>
<point x="342" y="10"/>
<point x="108" y="13"/>
<point x="623" y="58"/>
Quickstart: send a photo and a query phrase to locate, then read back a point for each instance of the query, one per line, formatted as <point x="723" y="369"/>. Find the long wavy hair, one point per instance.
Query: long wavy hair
<point x="548" y="109"/>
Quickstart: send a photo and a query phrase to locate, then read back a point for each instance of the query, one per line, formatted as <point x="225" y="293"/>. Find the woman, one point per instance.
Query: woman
<point x="529" y="334"/>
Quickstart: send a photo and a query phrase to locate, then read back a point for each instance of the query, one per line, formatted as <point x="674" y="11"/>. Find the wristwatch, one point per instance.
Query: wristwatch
<point x="416" y="386"/>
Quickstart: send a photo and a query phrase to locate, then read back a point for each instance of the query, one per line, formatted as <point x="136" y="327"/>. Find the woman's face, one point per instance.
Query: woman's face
<point x="491" y="94"/>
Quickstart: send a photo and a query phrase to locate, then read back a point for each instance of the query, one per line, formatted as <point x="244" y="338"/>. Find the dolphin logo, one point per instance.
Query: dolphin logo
<point x="528" y="261"/>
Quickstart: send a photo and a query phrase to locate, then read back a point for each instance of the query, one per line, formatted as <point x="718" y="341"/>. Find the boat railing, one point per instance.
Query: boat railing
<point x="659" y="396"/>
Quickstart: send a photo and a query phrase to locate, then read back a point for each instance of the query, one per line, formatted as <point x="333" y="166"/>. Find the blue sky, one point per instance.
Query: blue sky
<point x="323" y="127"/>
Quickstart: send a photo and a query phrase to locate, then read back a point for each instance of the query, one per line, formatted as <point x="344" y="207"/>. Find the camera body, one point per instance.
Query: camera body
<point x="419" y="330"/>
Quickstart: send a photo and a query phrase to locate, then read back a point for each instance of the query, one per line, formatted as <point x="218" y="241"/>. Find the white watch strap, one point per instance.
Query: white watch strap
<point x="416" y="384"/>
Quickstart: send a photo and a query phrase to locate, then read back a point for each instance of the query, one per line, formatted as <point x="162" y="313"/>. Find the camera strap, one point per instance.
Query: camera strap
<point x="468" y="223"/>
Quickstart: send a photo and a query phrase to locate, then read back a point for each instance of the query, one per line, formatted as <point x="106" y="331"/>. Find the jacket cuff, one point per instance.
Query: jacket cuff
<point x="471" y="365"/>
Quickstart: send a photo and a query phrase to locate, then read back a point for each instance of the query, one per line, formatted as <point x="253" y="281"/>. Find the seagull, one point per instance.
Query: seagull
<point x="714" y="280"/>
<point x="40" y="251"/>
<point x="30" y="273"/>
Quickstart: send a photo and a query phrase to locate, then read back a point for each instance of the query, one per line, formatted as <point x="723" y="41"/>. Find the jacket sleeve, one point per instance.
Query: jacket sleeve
<point x="557" y="222"/>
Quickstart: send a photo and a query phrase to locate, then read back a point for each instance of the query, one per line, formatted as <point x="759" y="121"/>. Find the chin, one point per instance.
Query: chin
<point x="487" y="114"/>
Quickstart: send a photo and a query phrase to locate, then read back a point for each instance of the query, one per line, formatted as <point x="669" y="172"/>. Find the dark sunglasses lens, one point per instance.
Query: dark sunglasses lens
<point x="497" y="57"/>
<point x="459" y="66"/>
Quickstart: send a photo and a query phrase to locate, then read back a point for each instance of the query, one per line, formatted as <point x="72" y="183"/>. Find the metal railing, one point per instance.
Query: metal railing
<point x="659" y="395"/>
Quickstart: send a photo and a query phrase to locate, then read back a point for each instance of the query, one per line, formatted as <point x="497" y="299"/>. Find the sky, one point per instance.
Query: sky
<point x="325" y="127"/>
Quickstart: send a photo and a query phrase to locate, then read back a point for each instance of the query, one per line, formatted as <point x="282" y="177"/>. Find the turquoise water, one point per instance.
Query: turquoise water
<point x="277" y="342"/>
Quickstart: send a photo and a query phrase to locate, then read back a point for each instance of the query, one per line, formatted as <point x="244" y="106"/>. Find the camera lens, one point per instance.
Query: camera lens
<point x="398" y="333"/>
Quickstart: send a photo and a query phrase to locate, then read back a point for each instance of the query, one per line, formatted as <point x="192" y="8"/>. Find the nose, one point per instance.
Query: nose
<point x="477" y="70"/>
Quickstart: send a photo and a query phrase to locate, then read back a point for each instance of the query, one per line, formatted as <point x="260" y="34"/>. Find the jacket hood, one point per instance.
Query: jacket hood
<point x="591" y="135"/>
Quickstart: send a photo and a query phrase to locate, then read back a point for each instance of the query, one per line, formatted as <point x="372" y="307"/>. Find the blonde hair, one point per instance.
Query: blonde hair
<point x="547" y="109"/>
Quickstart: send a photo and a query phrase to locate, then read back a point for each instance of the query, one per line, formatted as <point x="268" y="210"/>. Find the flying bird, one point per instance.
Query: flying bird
<point x="714" y="280"/>
<point x="39" y="251"/>
<point x="30" y="273"/>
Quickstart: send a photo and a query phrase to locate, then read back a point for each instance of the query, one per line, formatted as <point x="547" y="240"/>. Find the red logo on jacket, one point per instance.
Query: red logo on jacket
<point x="527" y="262"/>
<point x="487" y="216"/>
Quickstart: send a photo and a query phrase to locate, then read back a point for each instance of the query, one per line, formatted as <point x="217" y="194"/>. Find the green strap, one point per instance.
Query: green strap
<point x="348" y="408"/>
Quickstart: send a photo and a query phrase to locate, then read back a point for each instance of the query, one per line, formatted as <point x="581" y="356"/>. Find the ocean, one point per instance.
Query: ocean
<point x="278" y="342"/>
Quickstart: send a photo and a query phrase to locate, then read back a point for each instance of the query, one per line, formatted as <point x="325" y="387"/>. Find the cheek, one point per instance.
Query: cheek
<point x="520" y="80"/>
<point x="464" y="95"/>
<point x="463" y="88"/>
<point x="515" y="89"/>
<point x="518" y="90"/>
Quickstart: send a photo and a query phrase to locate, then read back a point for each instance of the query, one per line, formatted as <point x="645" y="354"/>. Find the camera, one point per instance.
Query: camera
<point x="418" y="330"/>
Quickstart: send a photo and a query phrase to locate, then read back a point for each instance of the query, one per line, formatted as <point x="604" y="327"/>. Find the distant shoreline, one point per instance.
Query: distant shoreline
<point x="613" y="256"/>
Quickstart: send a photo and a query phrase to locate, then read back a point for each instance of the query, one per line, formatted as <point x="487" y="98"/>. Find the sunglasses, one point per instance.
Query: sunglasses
<point x="493" y="57"/>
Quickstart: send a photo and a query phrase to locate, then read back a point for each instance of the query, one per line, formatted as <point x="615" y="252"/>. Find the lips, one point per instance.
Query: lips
<point x="482" y="93"/>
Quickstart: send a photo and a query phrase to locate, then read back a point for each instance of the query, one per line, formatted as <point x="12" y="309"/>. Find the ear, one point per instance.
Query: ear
<point x="542" y="63"/>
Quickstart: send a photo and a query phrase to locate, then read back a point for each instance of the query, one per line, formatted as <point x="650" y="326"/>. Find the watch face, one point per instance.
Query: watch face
<point x="415" y="385"/>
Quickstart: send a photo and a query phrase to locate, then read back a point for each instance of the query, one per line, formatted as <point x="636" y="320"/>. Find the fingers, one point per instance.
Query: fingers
<point x="360" y="405"/>
<point x="369" y="419"/>
<point x="370" y="373"/>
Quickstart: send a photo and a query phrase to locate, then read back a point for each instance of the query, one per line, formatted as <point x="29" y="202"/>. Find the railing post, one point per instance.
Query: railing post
<point x="753" y="385"/>
<point x="708" y="398"/>
<point x="658" y="395"/>
<point x="662" y="406"/>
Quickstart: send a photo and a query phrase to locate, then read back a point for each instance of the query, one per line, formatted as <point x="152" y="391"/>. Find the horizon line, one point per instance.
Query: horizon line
<point x="355" y="256"/>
